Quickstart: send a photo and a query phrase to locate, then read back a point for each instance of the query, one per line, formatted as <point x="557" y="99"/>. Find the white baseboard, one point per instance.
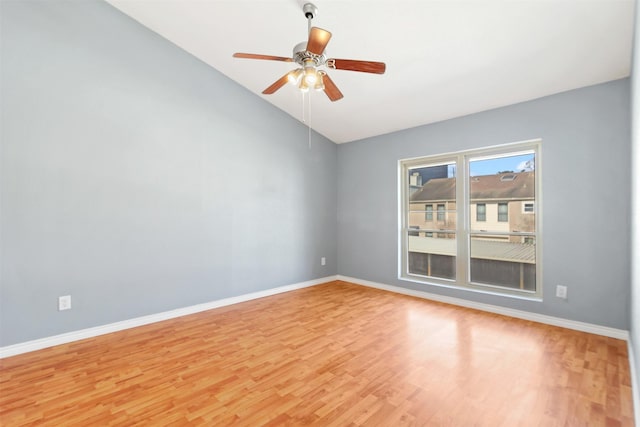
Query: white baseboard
<point x="526" y="315"/>
<point x="41" y="343"/>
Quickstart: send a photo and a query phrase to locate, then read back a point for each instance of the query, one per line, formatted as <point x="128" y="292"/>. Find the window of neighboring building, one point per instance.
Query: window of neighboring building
<point x="503" y="212"/>
<point x="527" y="207"/>
<point x="502" y="256"/>
<point x="481" y="212"/>
<point x="428" y="212"/>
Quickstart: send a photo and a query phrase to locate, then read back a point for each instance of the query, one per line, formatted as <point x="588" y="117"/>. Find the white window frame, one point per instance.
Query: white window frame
<point x="463" y="264"/>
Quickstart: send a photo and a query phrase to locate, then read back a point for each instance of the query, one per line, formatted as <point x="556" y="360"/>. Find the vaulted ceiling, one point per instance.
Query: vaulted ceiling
<point x="444" y="59"/>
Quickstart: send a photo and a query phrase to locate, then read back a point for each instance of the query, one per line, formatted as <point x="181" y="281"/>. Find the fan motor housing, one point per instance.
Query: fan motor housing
<point x="301" y="54"/>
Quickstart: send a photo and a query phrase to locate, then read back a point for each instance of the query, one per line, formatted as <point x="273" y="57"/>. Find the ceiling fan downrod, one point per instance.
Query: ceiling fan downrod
<point x="310" y="11"/>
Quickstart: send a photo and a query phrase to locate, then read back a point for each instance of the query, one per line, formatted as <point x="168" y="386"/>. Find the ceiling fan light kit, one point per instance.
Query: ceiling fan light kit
<point x="310" y="55"/>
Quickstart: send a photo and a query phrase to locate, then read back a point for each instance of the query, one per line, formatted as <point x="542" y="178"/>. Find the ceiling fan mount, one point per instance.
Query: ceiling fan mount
<point x="310" y="55"/>
<point x="310" y="10"/>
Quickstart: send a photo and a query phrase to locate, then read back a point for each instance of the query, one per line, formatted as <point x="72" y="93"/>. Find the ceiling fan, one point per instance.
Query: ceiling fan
<point x="310" y="55"/>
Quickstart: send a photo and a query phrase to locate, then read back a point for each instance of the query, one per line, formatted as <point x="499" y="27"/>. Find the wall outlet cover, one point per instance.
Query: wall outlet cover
<point x="64" y="303"/>
<point x="561" y="291"/>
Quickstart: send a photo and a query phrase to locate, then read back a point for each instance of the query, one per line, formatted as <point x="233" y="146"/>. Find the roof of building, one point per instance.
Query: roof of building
<point x="481" y="249"/>
<point x="503" y="186"/>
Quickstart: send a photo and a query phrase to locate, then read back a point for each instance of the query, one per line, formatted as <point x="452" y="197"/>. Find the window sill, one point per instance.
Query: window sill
<point x="512" y="295"/>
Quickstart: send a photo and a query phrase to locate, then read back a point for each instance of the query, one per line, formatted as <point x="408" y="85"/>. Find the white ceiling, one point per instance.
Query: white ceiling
<point x="444" y="59"/>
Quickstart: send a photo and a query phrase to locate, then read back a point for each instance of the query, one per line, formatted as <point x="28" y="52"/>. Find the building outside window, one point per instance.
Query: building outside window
<point x="500" y="185"/>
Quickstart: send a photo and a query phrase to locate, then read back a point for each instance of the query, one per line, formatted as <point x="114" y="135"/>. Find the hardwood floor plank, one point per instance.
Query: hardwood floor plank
<point x="335" y="354"/>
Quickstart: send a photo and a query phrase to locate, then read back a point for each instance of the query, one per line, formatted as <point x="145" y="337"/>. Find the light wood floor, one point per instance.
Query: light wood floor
<point x="335" y="354"/>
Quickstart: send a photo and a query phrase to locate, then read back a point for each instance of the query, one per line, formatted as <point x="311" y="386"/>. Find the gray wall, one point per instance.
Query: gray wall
<point x="585" y="192"/>
<point x="138" y="179"/>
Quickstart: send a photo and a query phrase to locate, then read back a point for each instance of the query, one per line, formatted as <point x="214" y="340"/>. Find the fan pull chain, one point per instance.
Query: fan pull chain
<point x="306" y="114"/>
<point x="309" y="121"/>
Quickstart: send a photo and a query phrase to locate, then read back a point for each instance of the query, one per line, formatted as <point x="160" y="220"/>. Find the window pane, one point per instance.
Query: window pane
<point x="431" y="242"/>
<point x="432" y="188"/>
<point x="433" y="256"/>
<point x="507" y="261"/>
<point x="502" y="193"/>
<point x="501" y="204"/>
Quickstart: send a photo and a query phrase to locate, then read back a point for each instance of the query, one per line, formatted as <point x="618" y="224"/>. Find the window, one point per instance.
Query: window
<point x="428" y="216"/>
<point x="527" y="207"/>
<point x="481" y="212"/>
<point x="503" y="212"/>
<point x="497" y="187"/>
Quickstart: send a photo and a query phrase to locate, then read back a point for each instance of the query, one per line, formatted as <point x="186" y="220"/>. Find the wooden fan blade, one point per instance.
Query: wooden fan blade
<point x="331" y="89"/>
<point x="277" y="85"/>
<point x="318" y="39"/>
<point x="353" y="65"/>
<point x="256" y="56"/>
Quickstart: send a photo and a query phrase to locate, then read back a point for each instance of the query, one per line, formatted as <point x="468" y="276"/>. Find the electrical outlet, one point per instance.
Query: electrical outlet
<point x="561" y="292"/>
<point x="64" y="303"/>
<point x="323" y="261"/>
